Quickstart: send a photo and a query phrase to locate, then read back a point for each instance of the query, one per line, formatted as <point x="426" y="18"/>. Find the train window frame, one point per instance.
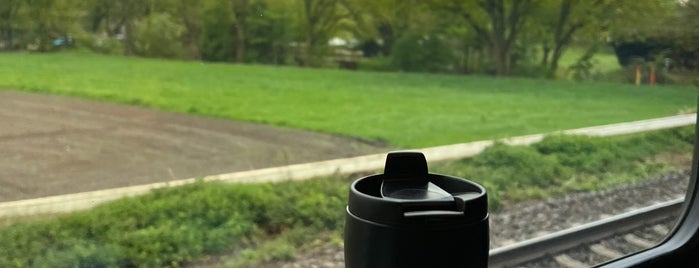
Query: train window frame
<point x="679" y="249"/>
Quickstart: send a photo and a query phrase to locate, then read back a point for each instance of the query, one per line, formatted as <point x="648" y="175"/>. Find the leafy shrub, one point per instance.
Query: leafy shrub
<point x="269" y="36"/>
<point x="106" y="45"/>
<point x="561" y="163"/>
<point x="530" y="70"/>
<point x="216" y="20"/>
<point x="421" y="53"/>
<point x="581" y="70"/>
<point x="518" y="166"/>
<point x="171" y="226"/>
<point x="376" y="64"/>
<point x="81" y="254"/>
<point x="275" y="250"/>
<point x="158" y="36"/>
<point x="584" y="153"/>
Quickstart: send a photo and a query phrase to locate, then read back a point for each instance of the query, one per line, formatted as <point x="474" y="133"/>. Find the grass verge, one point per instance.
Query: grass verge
<point x="267" y="222"/>
<point x="603" y="61"/>
<point x="406" y="110"/>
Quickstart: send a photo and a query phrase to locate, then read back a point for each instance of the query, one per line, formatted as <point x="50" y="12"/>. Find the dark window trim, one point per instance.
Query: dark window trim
<point x="681" y="248"/>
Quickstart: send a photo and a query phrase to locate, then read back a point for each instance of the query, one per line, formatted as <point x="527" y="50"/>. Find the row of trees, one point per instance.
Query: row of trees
<point x="494" y="36"/>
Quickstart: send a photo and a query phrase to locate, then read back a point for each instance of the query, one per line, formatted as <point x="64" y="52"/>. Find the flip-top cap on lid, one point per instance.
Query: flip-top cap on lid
<point x="407" y="193"/>
<point x="406" y="178"/>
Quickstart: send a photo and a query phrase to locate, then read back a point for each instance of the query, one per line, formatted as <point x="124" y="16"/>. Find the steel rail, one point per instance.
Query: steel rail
<point x="569" y="238"/>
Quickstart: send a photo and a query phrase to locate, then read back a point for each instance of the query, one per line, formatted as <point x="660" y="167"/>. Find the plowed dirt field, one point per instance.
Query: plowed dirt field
<point x="52" y="145"/>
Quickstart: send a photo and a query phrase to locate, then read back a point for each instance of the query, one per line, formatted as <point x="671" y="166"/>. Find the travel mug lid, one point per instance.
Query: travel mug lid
<point x="408" y="193"/>
<point x="405" y="177"/>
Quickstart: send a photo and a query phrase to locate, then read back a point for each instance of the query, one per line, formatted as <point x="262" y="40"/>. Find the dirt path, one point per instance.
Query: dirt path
<point x="53" y="145"/>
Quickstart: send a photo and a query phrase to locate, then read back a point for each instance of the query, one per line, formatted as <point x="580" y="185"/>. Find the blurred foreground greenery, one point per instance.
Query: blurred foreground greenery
<point x="244" y="224"/>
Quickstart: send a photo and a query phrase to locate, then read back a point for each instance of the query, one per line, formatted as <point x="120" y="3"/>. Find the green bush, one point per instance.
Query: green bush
<point x="172" y="226"/>
<point x="81" y="254"/>
<point x="515" y="167"/>
<point x="582" y="69"/>
<point x="376" y="64"/>
<point x="106" y="45"/>
<point x="269" y="35"/>
<point x="158" y="35"/>
<point x="530" y="70"/>
<point x="585" y="153"/>
<point x="562" y="163"/>
<point x="422" y="53"/>
<point x="217" y="19"/>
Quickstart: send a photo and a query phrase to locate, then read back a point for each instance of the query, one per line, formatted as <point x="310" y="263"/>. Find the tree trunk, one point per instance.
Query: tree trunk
<point x="240" y="12"/>
<point x="387" y="34"/>
<point x="8" y="30"/>
<point x="504" y="27"/>
<point x="192" y="36"/>
<point x="557" y="53"/>
<point x="240" y="43"/>
<point x="562" y="35"/>
<point x="129" y="47"/>
<point x="11" y="38"/>
<point x="308" y="48"/>
<point x="501" y="59"/>
<point x="128" y="12"/>
<point x="500" y="52"/>
<point x="192" y="40"/>
<point x="545" y="56"/>
<point x="8" y="36"/>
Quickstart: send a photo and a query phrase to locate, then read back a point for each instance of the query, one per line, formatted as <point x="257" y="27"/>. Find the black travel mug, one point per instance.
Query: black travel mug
<point x="408" y="217"/>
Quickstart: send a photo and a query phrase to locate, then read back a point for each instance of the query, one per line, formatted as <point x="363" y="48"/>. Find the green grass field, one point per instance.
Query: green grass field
<point x="405" y="110"/>
<point x="604" y="62"/>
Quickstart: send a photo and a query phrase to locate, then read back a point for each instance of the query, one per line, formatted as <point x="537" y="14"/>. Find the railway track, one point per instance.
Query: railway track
<point x="595" y="242"/>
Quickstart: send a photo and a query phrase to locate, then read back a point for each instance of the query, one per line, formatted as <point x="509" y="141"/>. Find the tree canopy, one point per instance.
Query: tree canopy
<point x="486" y="36"/>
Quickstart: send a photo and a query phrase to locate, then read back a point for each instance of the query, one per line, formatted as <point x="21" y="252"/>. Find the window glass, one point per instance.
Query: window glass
<point x="228" y="132"/>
